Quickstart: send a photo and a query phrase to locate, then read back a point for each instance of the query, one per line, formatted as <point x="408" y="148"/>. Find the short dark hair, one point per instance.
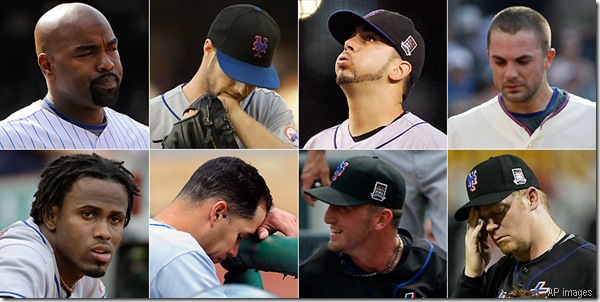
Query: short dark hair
<point x="59" y="176"/>
<point x="514" y="19"/>
<point x="232" y="180"/>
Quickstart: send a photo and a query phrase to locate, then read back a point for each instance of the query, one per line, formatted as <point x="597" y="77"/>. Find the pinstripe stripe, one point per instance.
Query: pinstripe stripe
<point x="60" y="138"/>
<point x="62" y="124"/>
<point x="123" y="135"/>
<point x="29" y="135"/>
<point x="18" y="134"/>
<point x="140" y="133"/>
<point x="10" y="139"/>
<point x="75" y="130"/>
<point x="48" y="134"/>
<point x="39" y="138"/>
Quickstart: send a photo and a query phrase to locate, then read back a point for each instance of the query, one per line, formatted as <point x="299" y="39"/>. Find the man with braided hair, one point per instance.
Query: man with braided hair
<point x="80" y="210"/>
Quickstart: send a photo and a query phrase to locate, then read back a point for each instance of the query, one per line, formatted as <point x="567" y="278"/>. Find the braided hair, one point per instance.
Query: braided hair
<point x="59" y="176"/>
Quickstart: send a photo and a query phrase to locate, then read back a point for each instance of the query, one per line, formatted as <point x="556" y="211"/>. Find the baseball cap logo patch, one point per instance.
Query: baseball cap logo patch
<point x="472" y="180"/>
<point x="519" y="177"/>
<point x="409" y="45"/>
<point x="379" y="191"/>
<point x="339" y="171"/>
<point x="260" y="46"/>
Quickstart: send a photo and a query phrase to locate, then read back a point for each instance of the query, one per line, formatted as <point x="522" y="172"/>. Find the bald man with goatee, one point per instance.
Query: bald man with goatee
<point x="78" y="55"/>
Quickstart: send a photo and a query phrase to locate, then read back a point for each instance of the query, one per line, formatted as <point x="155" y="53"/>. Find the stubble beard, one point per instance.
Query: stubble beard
<point x="369" y="77"/>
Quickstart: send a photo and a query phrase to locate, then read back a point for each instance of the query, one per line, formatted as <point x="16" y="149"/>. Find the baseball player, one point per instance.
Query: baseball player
<point x="382" y="59"/>
<point x="425" y="174"/>
<point x="528" y="113"/>
<point x="81" y="207"/>
<point x="83" y="79"/>
<point x="237" y="59"/>
<point x="507" y="205"/>
<point x="367" y="255"/>
<point x="225" y="201"/>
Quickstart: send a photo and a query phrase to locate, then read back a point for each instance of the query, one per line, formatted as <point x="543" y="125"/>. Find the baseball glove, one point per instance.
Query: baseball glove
<point x="209" y="128"/>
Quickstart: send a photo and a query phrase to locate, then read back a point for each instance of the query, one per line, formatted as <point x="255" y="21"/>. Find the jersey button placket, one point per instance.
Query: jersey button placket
<point x="525" y="270"/>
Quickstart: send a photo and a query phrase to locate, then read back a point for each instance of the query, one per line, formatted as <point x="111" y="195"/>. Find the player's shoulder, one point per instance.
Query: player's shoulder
<point x="476" y="111"/>
<point x="581" y="101"/>
<point x="23" y="239"/>
<point x="264" y="93"/>
<point x="322" y="140"/>
<point x="111" y="112"/>
<point x="575" y="243"/>
<point x="24" y="113"/>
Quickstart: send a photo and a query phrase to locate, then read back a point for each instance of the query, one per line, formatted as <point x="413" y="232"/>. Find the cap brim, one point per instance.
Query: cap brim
<point x="332" y="196"/>
<point x="492" y="198"/>
<point x="265" y="77"/>
<point x="342" y="25"/>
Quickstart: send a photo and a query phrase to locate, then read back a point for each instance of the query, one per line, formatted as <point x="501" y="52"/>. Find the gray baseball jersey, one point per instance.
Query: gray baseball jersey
<point x="491" y="126"/>
<point x="407" y="132"/>
<point x="40" y="126"/>
<point x="29" y="268"/>
<point x="179" y="267"/>
<point x="264" y="105"/>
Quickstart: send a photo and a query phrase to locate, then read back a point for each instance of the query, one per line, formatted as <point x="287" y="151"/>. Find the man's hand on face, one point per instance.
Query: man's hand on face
<point x="278" y="220"/>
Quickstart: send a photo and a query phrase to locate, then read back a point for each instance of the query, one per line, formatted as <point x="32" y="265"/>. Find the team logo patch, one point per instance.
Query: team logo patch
<point x="3" y="232"/>
<point x="379" y="191"/>
<point x="291" y="134"/>
<point x="410" y="295"/>
<point x="540" y="289"/>
<point x="260" y="46"/>
<point x="339" y="171"/>
<point x="519" y="177"/>
<point x="409" y="45"/>
<point x="472" y="181"/>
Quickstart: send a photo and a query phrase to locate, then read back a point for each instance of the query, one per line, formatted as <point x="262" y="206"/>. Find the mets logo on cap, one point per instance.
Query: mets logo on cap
<point x="379" y="191"/>
<point x="339" y="171"/>
<point x="260" y="46"/>
<point x="472" y="180"/>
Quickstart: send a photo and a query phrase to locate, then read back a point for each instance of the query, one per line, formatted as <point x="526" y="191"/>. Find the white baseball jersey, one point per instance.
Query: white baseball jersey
<point x="179" y="266"/>
<point x="28" y="266"/>
<point x="263" y="105"/>
<point x="35" y="127"/>
<point x="491" y="126"/>
<point x="407" y="132"/>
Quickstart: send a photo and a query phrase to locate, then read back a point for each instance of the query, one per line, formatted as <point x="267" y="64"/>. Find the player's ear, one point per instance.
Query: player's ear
<point x="218" y="211"/>
<point x="209" y="48"/>
<point x="45" y="62"/>
<point x="401" y="71"/>
<point x="51" y="217"/>
<point x="383" y="219"/>
<point x="549" y="58"/>
<point x="533" y="198"/>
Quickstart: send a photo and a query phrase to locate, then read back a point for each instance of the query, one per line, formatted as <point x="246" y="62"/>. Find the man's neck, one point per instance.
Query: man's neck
<point x="369" y="109"/>
<point x="377" y="255"/>
<point x="538" y="102"/>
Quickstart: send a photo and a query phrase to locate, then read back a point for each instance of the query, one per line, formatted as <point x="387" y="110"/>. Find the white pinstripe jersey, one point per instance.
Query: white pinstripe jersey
<point x="407" y="132"/>
<point x="34" y="127"/>
<point x="263" y="105"/>
<point x="28" y="266"/>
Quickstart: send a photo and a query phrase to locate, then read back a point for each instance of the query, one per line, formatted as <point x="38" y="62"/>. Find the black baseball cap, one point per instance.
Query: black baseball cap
<point x="495" y="179"/>
<point x="396" y="28"/>
<point x="246" y="38"/>
<point x="363" y="180"/>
